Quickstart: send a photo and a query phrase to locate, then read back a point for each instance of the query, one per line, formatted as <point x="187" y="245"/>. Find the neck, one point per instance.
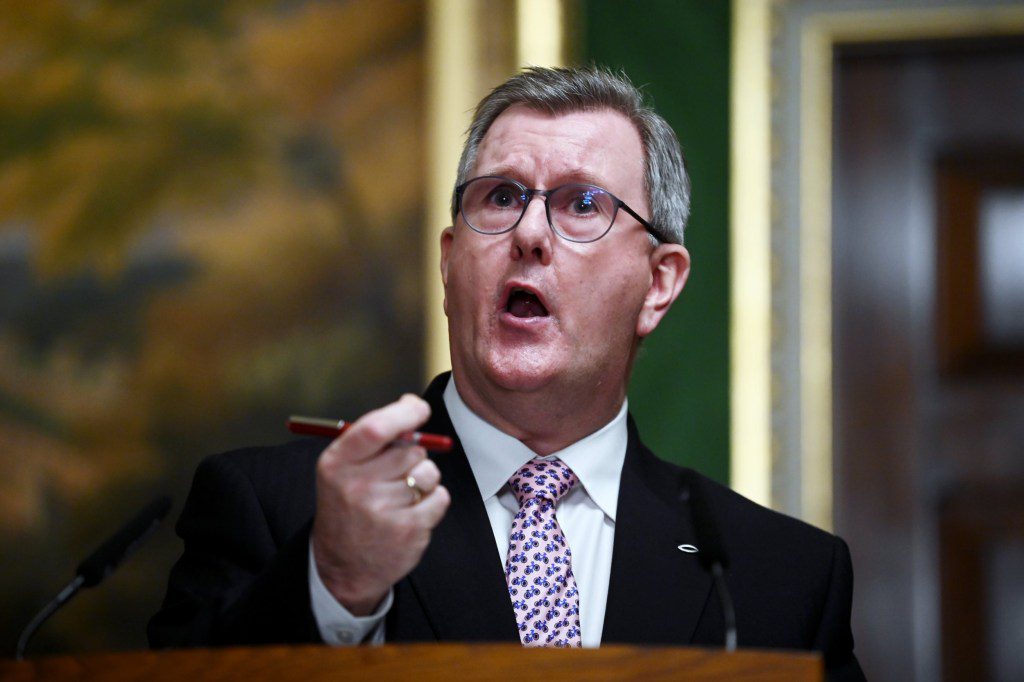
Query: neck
<point x="545" y="420"/>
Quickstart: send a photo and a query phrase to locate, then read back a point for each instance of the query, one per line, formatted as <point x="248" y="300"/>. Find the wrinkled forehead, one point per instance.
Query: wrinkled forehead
<point x="541" y="149"/>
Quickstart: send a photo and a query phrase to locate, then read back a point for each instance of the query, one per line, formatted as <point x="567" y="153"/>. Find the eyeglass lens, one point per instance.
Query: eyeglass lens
<point x="576" y="212"/>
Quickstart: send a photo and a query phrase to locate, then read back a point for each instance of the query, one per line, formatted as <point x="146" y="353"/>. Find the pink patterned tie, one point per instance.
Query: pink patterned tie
<point x="538" y="571"/>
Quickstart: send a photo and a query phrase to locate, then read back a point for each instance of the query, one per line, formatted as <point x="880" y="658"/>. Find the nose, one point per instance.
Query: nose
<point x="532" y="236"/>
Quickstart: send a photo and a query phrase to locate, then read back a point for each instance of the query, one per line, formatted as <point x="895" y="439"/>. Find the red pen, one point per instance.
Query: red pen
<point x="312" y="426"/>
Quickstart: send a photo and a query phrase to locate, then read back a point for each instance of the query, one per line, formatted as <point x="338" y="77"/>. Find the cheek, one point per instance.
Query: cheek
<point x="614" y="301"/>
<point x="465" y="285"/>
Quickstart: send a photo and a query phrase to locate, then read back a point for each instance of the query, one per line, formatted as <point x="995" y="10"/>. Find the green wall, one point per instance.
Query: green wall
<point x="679" y="50"/>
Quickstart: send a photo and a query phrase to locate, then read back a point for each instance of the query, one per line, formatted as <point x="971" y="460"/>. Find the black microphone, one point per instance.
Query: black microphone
<point x="712" y="554"/>
<point x="101" y="563"/>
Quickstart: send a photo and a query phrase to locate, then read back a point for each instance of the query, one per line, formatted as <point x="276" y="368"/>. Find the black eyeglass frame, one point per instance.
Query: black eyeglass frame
<point x="546" y="193"/>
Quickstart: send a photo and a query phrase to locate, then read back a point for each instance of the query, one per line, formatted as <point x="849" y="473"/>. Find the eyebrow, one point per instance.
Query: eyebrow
<point x="576" y="175"/>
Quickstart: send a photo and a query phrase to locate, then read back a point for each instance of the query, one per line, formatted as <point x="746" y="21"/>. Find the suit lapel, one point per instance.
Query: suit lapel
<point x="656" y="593"/>
<point x="460" y="582"/>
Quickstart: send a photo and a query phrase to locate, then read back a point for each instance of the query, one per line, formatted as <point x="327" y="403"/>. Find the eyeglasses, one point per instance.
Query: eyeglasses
<point x="492" y="204"/>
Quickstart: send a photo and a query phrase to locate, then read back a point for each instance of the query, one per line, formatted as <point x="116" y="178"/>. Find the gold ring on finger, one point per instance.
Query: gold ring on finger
<point x="414" y="488"/>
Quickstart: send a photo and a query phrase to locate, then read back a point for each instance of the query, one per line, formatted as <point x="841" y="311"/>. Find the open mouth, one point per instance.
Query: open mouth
<point x="523" y="303"/>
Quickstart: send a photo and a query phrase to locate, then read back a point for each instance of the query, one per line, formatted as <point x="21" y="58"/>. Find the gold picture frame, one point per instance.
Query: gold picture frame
<point x="780" y="227"/>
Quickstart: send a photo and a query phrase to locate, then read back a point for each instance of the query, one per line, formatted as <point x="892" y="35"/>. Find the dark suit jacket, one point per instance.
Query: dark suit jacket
<point x="243" y="576"/>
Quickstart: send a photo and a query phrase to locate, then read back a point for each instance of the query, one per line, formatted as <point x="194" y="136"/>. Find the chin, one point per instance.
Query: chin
<point x="523" y="372"/>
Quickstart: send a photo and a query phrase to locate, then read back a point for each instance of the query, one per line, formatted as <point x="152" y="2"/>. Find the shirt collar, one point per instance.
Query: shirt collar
<point x="494" y="456"/>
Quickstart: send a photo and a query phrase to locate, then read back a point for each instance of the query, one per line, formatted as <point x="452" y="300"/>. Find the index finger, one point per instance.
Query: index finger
<point x="375" y="431"/>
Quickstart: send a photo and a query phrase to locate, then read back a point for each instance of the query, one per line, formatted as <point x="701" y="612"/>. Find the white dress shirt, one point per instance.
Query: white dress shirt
<point x="586" y="515"/>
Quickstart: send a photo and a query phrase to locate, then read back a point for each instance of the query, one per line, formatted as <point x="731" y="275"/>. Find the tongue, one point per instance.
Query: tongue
<point x="522" y="304"/>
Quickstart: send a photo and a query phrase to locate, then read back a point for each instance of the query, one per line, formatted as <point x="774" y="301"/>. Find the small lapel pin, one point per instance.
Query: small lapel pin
<point x="689" y="549"/>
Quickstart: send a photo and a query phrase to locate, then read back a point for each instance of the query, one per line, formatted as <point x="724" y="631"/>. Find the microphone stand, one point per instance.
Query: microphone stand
<point x="711" y="553"/>
<point x="62" y="598"/>
<point x="100" y="563"/>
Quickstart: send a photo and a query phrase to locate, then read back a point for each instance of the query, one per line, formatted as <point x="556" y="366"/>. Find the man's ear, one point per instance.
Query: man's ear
<point x="670" y="266"/>
<point x="447" y="235"/>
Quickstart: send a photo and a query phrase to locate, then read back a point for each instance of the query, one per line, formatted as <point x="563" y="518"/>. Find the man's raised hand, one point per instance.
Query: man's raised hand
<point x="371" y="525"/>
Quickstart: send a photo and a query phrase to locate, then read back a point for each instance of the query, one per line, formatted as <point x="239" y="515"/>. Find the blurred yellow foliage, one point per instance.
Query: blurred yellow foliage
<point x="209" y="218"/>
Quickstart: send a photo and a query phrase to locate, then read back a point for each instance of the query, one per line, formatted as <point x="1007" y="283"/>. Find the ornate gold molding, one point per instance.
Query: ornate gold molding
<point x="749" y="264"/>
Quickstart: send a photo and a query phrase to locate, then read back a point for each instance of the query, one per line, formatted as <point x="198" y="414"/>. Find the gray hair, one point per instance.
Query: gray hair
<point x="567" y="90"/>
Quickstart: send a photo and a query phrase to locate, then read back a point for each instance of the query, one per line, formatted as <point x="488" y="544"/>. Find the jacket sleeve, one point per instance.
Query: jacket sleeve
<point x="834" y="636"/>
<point x="239" y="581"/>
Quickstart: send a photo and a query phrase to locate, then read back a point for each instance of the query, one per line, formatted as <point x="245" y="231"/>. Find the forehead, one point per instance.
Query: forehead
<point x="543" y="150"/>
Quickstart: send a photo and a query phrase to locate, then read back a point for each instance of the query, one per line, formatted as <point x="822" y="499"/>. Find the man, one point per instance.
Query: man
<point x="549" y="522"/>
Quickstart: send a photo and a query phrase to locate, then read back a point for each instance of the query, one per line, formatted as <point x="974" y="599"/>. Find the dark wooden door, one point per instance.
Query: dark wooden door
<point x="929" y="396"/>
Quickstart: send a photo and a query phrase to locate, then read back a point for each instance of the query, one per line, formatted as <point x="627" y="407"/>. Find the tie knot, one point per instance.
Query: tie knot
<point x="547" y="479"/>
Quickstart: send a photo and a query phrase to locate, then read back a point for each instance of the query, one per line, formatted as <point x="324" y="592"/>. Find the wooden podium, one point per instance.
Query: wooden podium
<point x="423" y="663"/>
